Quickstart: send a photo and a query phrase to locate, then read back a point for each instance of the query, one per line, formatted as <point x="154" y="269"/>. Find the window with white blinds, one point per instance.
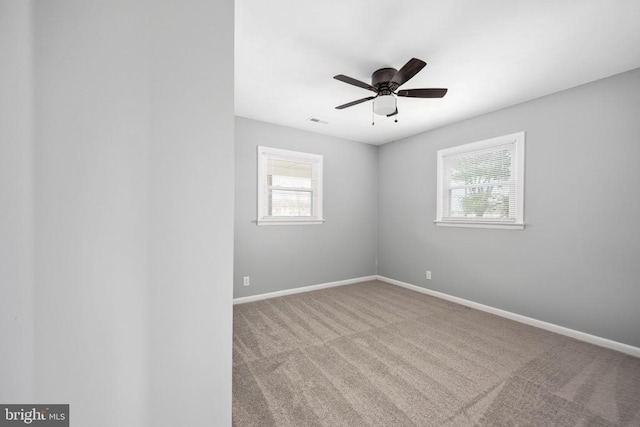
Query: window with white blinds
<point x="289" y="187"/>
<point x="482" y="184"/>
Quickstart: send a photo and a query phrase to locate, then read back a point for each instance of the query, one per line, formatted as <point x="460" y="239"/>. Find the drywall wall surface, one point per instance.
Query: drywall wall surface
<point x="576" y="263"/>
<point x="191" y="213"/>
<point x="16" y="203"/>
<point x="290" y="256"/>
<point x="91" y="142"/>
<point x="133" y="253"/>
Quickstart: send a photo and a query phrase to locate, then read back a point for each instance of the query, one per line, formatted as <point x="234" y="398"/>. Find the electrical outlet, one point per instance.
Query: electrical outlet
<point x="428" y="274"/>
<point x="246" y="281"/>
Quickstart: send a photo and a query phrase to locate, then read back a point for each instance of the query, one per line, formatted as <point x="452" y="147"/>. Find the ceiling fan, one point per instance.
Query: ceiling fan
<point x="385" y="83"/>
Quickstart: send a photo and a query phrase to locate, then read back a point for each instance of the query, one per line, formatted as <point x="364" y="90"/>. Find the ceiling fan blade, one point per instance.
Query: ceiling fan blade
<point x="352" y="103"/>
<point x="423" y="93"/>
<point x="352" y="81"/>
<point x="405" y="73"/>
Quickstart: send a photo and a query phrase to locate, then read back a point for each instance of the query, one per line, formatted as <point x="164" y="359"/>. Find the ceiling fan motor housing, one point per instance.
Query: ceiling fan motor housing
<point x="381" y="78"/>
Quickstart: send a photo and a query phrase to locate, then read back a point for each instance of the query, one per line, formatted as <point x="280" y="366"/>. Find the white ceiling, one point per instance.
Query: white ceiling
<point x="489" y="54"/>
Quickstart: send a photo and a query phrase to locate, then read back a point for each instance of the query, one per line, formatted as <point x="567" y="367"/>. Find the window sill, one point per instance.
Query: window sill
<point x="290" y="221"/>
<point x="478" y="224"/>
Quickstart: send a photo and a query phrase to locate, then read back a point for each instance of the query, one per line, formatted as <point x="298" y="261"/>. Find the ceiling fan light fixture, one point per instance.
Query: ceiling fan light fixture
<point x="384" y="105"/>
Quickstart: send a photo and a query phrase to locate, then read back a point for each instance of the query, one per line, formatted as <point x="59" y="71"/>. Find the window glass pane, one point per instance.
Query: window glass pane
<point x="289" y="187"/>
<point x="290" y="203"/>
<point x="481" y="184"/>
<point x="480" y="202"/>
<point x="482" y="168"/>
<point x="283" y="173"/>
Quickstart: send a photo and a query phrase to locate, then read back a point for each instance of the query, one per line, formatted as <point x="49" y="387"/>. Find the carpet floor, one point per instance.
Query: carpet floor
<point x="374" y="354"/>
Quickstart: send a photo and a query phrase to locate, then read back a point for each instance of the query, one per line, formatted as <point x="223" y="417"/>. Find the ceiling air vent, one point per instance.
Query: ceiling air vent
<point x="322" y="122"/>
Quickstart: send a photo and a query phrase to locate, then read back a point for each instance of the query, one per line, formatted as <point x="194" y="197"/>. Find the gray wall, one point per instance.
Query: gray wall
<point x="285" y="257"/>
<point x="190" y="250"/>
<point x="90" y="144"/>
<point x="16" y="203"/>
<point x="577" y="263"/>
<point x="116" y="213"/>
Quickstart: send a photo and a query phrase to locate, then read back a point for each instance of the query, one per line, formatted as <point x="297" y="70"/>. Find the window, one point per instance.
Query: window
<point x="482" y="184"/>
<point x="289" y="187"/>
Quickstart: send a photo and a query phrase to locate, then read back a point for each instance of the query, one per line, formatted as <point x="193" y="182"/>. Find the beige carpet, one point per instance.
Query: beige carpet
<point x="374" y="354"/>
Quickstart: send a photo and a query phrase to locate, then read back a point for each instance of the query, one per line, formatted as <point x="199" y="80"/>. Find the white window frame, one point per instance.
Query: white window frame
<point x="517" y="139"/>
<point x="266" y="153"/>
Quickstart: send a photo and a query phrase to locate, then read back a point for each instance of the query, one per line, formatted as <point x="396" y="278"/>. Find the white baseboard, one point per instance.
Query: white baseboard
<point x="259" y="297"/>
<point x="591" y="339"/>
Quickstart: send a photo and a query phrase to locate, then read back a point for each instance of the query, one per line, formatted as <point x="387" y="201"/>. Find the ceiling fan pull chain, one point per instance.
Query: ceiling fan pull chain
<point x="373" y="115"/>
